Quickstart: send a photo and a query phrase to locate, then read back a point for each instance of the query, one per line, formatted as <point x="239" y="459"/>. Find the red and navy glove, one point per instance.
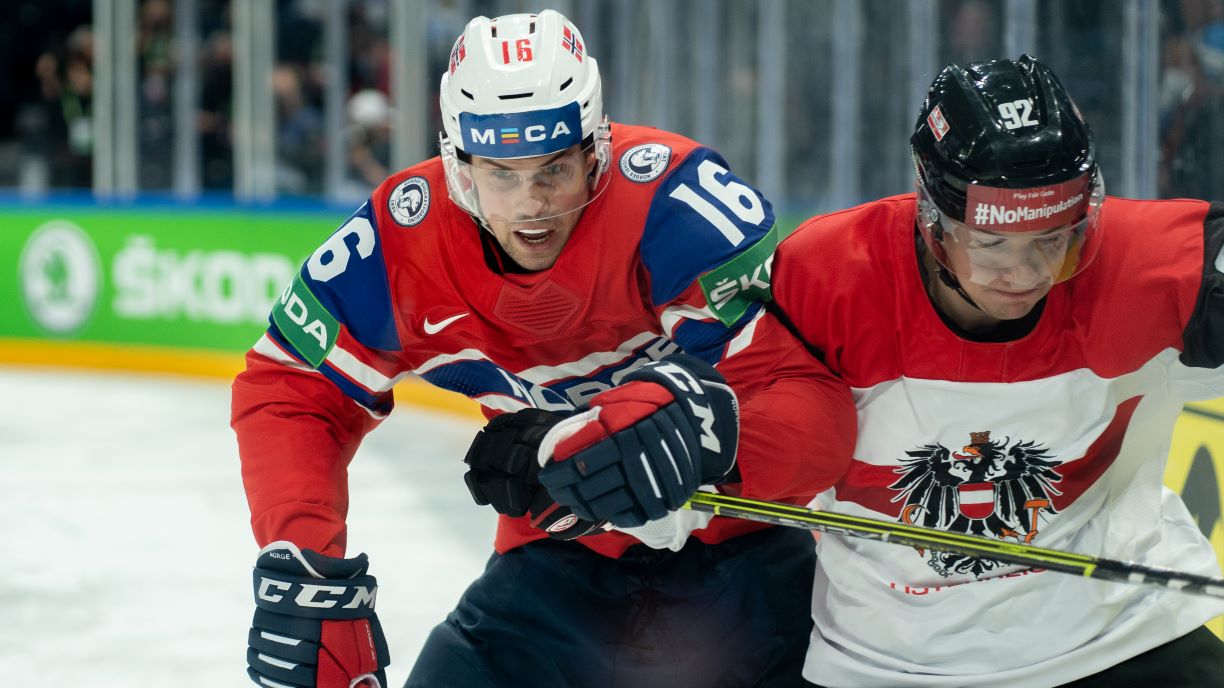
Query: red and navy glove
<point x="642" y="448"/>
<point x="503" y="468"/>
<point x="314" y="623"/>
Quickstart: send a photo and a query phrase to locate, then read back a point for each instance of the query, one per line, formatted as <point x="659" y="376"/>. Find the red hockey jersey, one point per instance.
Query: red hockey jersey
<point x="676" y="253"/>
<point x="1058" y="438"/>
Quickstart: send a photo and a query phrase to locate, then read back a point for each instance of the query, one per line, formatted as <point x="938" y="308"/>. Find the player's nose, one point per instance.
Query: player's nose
<point x="534" y="203"/>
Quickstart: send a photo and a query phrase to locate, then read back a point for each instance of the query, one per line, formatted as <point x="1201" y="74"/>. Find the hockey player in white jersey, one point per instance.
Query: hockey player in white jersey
<point x="1019" y="346"/>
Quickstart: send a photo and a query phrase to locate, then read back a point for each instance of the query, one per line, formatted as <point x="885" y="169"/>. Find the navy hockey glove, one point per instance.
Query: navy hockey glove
<point x="642" y="448"/>
<point x="314" y="623"/>
<point x="503" y="468"/>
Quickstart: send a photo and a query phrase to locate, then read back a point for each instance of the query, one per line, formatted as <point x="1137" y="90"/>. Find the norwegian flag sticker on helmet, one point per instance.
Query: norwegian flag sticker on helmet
<point x="571" y="42"/>
<point x="458" y="53"/>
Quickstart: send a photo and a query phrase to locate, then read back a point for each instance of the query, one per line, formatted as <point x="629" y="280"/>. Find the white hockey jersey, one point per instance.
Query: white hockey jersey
<point x="1058" y="438"/>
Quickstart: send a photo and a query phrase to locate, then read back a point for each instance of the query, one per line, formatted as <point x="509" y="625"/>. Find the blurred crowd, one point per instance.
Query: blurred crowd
<point x="47" y="80"/>
<point x="46" y="84"/>
<point x="46" y="87"/>
<point x="1192" y="99"/>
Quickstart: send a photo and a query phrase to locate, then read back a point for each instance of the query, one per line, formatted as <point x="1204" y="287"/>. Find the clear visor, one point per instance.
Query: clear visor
<point x="523" y="190"/>
<point x="1019" y="260"/>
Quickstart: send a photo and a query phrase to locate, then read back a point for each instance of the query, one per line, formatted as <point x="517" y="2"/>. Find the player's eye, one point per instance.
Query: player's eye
<point x="985" y="243"/>
<point x="504" y="180"/>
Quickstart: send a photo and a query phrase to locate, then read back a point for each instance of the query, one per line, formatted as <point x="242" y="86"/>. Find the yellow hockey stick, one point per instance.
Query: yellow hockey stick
<point x="944" y="541"/>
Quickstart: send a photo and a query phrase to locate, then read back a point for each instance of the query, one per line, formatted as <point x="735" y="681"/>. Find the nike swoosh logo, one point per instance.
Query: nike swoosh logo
<point x="435" y="328"/>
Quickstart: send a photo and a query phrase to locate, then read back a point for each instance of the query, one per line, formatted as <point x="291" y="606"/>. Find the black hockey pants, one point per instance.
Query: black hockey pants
<point x="556" y="614"/>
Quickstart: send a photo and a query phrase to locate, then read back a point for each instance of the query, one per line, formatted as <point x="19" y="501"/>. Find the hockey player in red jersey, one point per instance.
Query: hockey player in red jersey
<point x="1019" y="347"/>
<point x="598" y="289"/>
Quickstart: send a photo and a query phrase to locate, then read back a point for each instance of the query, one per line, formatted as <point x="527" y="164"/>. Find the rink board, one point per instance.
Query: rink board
<point x="1196" y="471"/>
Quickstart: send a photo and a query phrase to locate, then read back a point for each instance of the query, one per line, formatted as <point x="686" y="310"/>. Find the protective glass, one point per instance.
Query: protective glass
<point x="1027" y="259"/>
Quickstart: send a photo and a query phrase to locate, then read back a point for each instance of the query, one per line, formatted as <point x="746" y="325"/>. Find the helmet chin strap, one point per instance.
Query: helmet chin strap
<point x="951" y="281"/>
<point x="944" y="276"/>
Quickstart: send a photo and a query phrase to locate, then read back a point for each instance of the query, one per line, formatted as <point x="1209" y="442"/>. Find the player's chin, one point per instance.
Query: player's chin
<point x="535" y="263"/>
<point x="535" y="259"/>
<point x="1008" y="301"/>
<point x="1012" y="308"/>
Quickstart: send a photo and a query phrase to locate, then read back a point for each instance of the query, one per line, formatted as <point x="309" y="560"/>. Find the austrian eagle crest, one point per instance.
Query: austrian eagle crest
<point x="991" y="488"/>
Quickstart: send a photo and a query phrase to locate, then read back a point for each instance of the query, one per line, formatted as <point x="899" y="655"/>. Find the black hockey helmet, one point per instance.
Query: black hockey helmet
<point x="1000" y="148"/>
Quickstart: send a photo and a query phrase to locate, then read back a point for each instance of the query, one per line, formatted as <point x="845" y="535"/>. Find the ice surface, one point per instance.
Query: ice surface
<point x="126" y="555"/>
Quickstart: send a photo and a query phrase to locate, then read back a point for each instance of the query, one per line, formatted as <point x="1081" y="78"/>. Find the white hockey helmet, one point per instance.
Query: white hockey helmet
<point x="520" y="86"/>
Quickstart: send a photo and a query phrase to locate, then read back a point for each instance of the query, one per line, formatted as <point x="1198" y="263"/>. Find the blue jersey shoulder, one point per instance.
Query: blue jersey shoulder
<point x="702" y="218"/>
<point x="343" y="282"/>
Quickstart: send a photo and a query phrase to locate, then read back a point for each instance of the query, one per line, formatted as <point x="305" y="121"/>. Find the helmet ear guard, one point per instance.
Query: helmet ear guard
<point x="603" y="151"/>
<point x="459" y="184"/>
<point x="928" y="216"/>
<point x="930" y="226"/>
